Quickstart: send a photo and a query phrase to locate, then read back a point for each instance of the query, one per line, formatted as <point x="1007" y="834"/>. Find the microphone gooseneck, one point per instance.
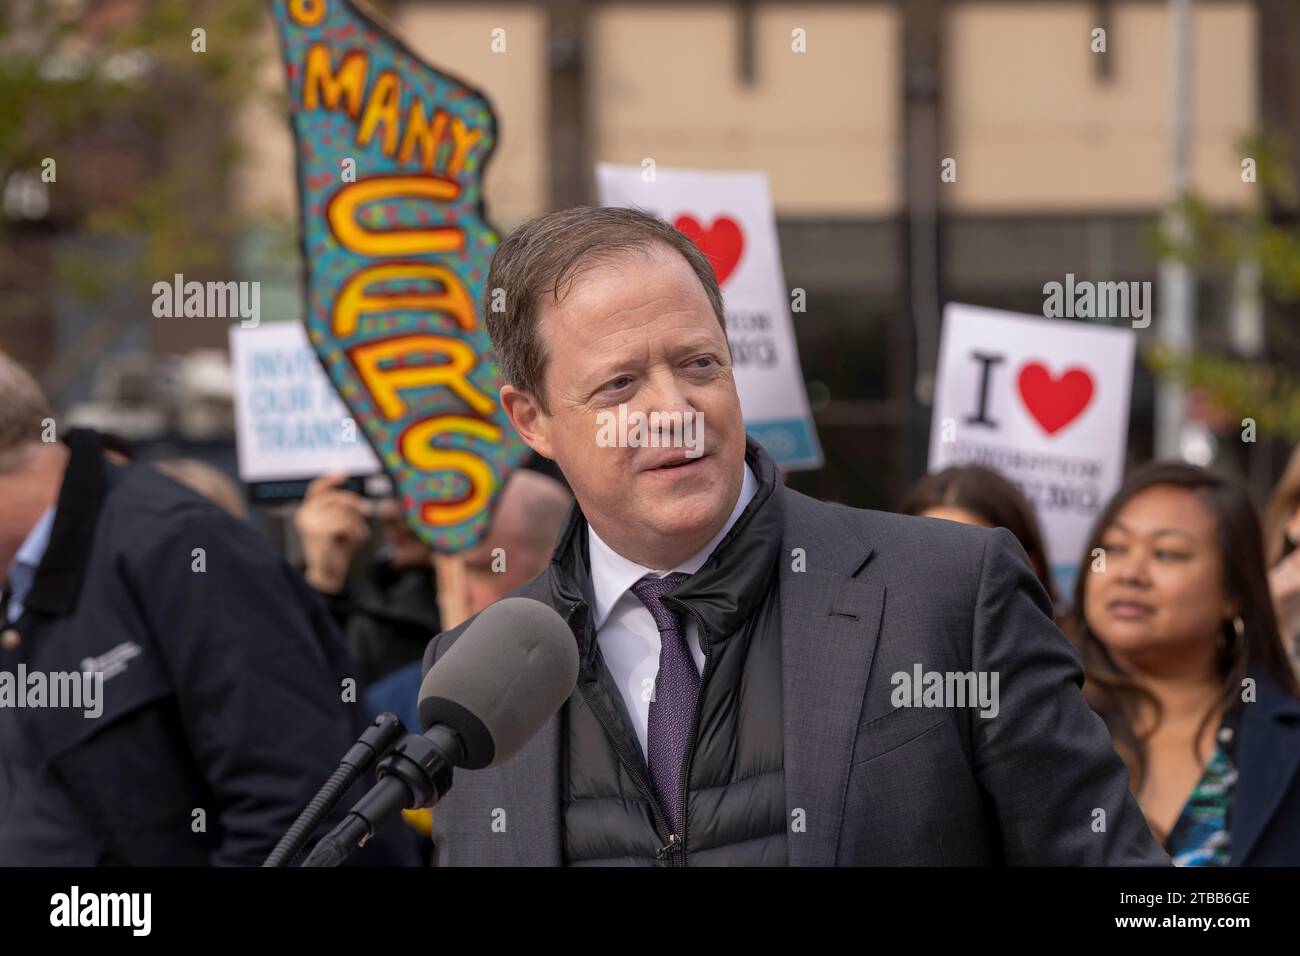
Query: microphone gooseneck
<point x="484" y="698"/>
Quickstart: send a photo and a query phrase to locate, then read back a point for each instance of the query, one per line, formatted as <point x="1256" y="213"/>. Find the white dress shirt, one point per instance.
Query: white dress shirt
<point x="629" y="640"/>
<point x="22" y="569"/>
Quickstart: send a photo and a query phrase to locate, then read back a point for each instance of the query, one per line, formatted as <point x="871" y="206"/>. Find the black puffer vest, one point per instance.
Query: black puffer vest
<point x="734" y="782"/>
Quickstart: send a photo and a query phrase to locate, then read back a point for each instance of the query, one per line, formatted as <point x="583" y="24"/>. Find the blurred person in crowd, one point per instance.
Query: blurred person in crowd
<point x="973" y="494"/>
<point x="517" y="547"/>
<point x="1185" y="665"/>
<point x="208" y="481"/>
<point x="210" y="708"/>
<point x="518" y="544"/>
<point x="1282" y="551"/>
<point x="386" y="613"/>
<point x="701" y="591"/>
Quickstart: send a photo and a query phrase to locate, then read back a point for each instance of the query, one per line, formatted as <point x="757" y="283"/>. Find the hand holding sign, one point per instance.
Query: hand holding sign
<point x="331" y="524"/>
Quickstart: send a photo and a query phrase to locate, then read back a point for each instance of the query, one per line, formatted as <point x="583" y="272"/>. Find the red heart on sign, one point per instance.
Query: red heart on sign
<point x="1054" y="402"/>
<point x="723" y="242"/>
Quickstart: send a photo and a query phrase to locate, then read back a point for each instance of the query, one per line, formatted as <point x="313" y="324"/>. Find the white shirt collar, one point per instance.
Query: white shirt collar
<point x="22" y="568"/>
<point x="612" y="574"/>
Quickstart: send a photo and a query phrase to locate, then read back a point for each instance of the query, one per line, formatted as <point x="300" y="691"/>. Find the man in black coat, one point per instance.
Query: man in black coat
<point x="201" y="694"/>
<point x="764" y="679"/>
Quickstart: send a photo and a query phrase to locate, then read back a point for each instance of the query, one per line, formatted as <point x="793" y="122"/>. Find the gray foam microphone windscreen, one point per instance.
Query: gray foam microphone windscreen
<point x="511" y="669"/>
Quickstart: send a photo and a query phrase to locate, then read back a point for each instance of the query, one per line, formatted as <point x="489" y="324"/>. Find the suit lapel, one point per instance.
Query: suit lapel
<point x="830" y="622"/>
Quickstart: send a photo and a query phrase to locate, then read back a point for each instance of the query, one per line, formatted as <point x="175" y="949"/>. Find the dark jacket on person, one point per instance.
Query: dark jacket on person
<point x="1265" y="814"/>
<point x="810" y="615"/>
<point x="223" y="704"/>
<point x="386" y="618"/>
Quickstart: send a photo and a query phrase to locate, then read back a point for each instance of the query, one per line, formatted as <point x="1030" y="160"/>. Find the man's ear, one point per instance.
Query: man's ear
<point x="528" y="419"/>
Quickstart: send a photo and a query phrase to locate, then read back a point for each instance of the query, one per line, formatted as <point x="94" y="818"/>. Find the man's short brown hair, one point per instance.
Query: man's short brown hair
<point x="24" y="411"/>
<point x="545" y="255"/>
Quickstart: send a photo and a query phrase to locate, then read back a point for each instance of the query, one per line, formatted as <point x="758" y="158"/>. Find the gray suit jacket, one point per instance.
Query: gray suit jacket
<point x="866" y="596"/>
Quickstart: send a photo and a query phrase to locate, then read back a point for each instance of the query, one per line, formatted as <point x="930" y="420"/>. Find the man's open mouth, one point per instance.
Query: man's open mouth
<point x="675" y="463"/>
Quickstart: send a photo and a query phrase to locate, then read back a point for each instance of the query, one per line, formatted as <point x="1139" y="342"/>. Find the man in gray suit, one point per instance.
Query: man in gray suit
<point x="765" y="679"/>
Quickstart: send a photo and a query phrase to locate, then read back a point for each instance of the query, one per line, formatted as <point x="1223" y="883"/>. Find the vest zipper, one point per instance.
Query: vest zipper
<point x="673" y="847"/>
<point x="673" y="844"/>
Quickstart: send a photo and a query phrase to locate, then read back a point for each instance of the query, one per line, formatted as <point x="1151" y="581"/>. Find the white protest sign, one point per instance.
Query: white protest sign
<point x="290" y="424"/>
<point x="729" y="215"/>
<point x="1043" y="401"/>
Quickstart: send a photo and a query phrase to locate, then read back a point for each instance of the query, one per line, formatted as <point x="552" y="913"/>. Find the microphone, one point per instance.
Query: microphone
<point x="513" y="667"/>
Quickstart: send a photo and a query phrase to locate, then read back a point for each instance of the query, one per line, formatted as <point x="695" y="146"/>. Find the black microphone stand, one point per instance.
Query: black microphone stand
<point x="414" y="774"/>
<point x="375" y="741"/>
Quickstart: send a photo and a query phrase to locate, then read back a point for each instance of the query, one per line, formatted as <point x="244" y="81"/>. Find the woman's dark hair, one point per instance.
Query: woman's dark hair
<point x="987" y="495"/>
<point x="1113" y="694"/>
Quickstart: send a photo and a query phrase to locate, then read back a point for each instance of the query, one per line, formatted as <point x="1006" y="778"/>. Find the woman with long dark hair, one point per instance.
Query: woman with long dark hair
<point x="1185" y="665"/>
<point x="973" y="494"/>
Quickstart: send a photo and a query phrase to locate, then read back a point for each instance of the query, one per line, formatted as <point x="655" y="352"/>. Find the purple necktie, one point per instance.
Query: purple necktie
<point x="672" y="706"/>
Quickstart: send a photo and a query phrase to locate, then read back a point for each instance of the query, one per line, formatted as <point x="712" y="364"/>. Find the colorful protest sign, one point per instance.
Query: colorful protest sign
<point x="1043" y="401"/>
<point x="729" y="215"/>
<point x="290" y="424"/>
<point x="390" y="155"/>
